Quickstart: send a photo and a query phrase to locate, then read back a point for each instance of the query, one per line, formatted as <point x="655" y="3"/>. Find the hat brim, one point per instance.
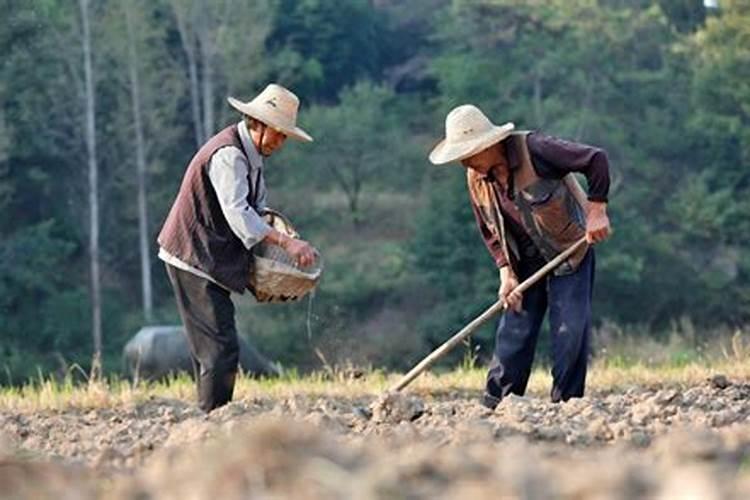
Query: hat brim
<point x="247" y="108"/>
<point x="447" y="152"/>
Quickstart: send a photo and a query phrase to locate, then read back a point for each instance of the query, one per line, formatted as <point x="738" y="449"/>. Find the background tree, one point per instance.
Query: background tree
<point x="352" y="139"/>
<point x="89" y="96"/>
<point x="43" y="275"/>
<point x="150" y="88"/>
<point x="320" y="47"/>
<point x="219" y="39"/>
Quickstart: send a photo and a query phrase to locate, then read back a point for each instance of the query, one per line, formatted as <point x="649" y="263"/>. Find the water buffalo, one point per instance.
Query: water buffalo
<point x="155" y="352"/>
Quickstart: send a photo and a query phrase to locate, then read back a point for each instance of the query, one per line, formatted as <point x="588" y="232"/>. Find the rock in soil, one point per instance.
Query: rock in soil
<point x="720" y="381"/>
<point x="395" y="407"/>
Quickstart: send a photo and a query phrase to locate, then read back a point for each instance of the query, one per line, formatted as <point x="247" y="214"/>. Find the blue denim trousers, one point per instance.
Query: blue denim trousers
<point x="568" y="298"/>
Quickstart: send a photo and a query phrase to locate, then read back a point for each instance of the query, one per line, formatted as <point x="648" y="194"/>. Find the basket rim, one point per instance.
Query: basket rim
<point x="282" y="268"/>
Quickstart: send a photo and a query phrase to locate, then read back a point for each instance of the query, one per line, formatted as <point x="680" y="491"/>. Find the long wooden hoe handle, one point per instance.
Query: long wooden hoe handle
<point x="479" y="320"/>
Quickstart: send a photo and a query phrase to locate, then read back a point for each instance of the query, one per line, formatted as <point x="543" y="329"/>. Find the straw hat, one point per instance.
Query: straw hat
<point x="276" y="107"/>
<point x="467" y="132"/>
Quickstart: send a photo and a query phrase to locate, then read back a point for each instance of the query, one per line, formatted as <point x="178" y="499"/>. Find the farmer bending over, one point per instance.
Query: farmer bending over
<point x="528" y="210"/>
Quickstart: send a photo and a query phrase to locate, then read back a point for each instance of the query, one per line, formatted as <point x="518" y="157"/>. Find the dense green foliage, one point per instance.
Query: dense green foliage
<point x="663" y="85"/>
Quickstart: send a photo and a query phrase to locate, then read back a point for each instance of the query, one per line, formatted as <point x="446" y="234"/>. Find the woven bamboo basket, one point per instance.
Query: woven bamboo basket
<point x="274" y="277"/>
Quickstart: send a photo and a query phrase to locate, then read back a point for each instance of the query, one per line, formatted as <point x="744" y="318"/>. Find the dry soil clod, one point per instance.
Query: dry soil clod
<point x="395" y="407"/>
<point x="720" y="381"/>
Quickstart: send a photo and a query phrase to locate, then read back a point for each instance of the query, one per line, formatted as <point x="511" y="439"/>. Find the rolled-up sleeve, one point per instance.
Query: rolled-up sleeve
<point x="228" y="173"/>
<point x="560" y="157"/>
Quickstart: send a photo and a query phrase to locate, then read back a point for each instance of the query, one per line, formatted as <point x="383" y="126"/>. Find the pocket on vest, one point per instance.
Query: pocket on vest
<point x="554" y="219"/>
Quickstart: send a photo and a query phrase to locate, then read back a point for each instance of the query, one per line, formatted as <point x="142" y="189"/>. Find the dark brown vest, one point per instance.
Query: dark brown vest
<point x="552" y="213"/>
<point x="196" y="231"/>
<point x="551" y="210"/>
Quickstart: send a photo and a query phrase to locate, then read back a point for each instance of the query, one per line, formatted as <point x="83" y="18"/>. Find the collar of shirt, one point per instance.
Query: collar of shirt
<point x="514" y="160"/>
<point x="256" y="160"/>
<point x="511" y="155"/>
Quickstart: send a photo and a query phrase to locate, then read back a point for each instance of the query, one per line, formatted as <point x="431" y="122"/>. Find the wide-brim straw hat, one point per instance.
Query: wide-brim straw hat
<point x="467" y="132"/>
<point x="277" y="107"/>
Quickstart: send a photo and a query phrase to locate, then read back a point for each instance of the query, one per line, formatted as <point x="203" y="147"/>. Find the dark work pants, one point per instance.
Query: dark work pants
<point x="207" y="313"/>
<point x="569" y="300"/>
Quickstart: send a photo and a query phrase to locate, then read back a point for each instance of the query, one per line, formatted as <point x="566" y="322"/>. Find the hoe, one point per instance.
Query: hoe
<point x="481" y="319"/>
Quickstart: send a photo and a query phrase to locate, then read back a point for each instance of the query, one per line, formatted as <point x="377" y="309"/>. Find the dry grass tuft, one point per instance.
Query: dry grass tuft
<point x="604" y="376"/>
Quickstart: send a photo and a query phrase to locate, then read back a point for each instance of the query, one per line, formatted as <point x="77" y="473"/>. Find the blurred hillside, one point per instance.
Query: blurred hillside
<point x="662" y="85"/>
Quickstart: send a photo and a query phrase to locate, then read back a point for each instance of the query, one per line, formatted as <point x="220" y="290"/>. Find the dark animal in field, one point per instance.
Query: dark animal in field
<point x="156" y="352"/>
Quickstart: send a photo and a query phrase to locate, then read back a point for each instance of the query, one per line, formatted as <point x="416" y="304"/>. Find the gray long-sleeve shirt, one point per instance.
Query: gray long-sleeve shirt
<point x="233" y="176"/>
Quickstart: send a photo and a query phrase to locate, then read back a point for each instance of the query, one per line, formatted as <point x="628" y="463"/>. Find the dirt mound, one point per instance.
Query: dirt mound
<point x="282" y="458"/>
<point x="265" y="459"/>
<point x="20" y="479"/>
<point x="396" y="407"/>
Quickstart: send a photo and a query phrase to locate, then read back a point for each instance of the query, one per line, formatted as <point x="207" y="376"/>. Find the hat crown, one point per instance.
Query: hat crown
<point x="278" y="102"/>
<point x="466" y="123"/>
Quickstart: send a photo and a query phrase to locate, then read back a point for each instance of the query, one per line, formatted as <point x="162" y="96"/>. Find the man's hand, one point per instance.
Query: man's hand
<point x="301" y="251"/>
<point x="508" y="282"/>
<point x="597" y="223"/>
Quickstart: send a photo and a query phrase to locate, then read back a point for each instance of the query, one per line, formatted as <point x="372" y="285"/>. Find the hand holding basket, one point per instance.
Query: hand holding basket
<point x="274" y="276"/>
